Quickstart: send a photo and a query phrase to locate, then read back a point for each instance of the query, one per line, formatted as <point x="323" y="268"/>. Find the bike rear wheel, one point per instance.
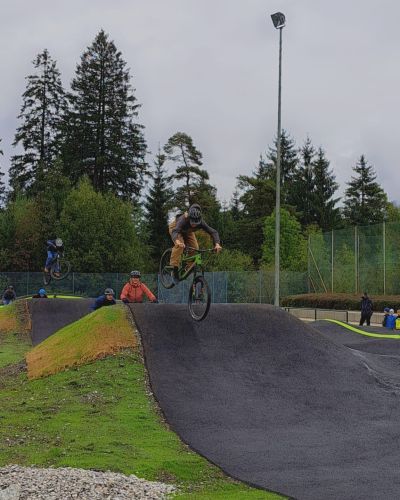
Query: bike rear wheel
<point x="199" y="298"/>
<point x="166" y="269"/>
<point x="64" y="268"/>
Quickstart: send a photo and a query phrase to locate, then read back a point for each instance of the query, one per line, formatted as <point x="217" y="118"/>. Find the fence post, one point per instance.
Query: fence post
<point x="73" y="283"/>
<point x="355" y="259"/>
<point x="226" y="287"/>
<point x="332" y="263"/>
<point x="259" y="284"/>
<point x="27" y="283"/>
<point x="308" y="264"/>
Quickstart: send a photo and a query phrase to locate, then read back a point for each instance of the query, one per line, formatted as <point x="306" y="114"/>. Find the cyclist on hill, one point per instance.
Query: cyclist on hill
<point x="134" y="290"/>
<point x="182" y="231"/>
<point x="54" y="247"/>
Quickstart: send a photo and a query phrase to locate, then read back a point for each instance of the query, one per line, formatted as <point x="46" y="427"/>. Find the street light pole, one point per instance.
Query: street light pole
<point x="279" y="22"/>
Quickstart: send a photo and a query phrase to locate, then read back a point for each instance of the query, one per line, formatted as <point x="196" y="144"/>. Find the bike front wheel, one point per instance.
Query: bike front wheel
<point x="64" y="268"/>
<point x="166" y="269"/>
<point x="199" y="298"/>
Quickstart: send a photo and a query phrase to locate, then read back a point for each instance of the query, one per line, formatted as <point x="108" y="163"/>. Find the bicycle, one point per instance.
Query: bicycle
<point x="199" y="299"/>
<point x="59" y="269"/>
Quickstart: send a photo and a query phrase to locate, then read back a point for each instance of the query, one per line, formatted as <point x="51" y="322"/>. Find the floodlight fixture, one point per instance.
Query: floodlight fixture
<point x="278" y="19"/>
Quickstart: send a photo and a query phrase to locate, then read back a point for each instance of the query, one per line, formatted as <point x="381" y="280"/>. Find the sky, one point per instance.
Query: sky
<point x="209" y="68"/>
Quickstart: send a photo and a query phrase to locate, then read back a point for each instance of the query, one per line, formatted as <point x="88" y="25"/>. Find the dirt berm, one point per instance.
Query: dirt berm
<point x="274" y="403"/>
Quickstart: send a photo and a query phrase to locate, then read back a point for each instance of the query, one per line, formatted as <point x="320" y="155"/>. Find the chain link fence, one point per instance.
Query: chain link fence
<point x="226" y="287"/>
<point x="356" y="259"/>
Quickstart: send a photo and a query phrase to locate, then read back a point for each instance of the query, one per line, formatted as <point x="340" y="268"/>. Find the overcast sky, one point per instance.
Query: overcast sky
<point x="209" y="68"/>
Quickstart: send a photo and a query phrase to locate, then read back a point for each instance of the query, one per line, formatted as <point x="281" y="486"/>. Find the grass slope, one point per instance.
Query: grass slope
<point x="101" y="416"/>
<point x="94" y="336"/>
<point x="13" y="344"/>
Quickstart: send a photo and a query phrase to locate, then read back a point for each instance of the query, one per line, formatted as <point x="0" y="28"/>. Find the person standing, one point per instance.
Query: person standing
<point x="135" y="289"/>
<point x="366" y="309"/>
<point x="9" y="295"/>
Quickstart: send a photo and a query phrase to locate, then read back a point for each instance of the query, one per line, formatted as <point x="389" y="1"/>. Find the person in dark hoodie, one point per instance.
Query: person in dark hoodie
<point x="9" y="295"/>
<point x="107" y="299"/>
<point x="366" y="309"/>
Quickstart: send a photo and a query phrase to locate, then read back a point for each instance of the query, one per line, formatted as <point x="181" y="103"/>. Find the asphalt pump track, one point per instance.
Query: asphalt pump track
<point x="50" y="315"/>
<point x="274" y="402"/>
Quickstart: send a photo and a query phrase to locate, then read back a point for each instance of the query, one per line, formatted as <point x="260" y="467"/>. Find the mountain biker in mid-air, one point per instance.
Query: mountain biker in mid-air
<point x="54" y="247"/>
<point x="182" y="233"/>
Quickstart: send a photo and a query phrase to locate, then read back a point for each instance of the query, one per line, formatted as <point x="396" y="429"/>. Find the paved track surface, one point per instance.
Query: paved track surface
<point x="274" y="403"/>
<point x="49" y="315"/>
<point x="342" y="336"/>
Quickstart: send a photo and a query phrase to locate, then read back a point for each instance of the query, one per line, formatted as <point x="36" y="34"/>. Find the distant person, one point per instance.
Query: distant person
<point x="385" y="315"/>
<point x="397" y="321"/>
<point x="9" y="295"/>
<point x="107" y="299"/>
<point x="40" y="295"/>
<point x="366" y="309"/>
<point x="53" y="248"/>
<point x="391" y="320"/>
<point x="134" y="290"/>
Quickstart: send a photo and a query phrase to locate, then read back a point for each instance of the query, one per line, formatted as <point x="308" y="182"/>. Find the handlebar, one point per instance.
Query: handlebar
<point x="199" y="250"/>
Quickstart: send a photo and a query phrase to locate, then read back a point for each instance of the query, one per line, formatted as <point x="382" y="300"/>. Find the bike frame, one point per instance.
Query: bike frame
<point x="198" y="265"/>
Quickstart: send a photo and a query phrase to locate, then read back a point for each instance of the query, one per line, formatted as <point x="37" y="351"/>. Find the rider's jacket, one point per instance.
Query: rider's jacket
<point x="183" y="227"/>
<point x="102" y="301"/>
<point x="51" y="246"/>
<point x="134" y="292"/>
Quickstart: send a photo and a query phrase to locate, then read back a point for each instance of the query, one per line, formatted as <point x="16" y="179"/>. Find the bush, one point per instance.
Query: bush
<point x="341" y="301"/>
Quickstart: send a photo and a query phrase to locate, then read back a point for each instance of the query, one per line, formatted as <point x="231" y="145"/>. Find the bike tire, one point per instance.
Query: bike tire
<point x="199" y="307"/>
<point x="64" y="270"/>
<point x="165" y="270"/>
<point x="46" y="278"/>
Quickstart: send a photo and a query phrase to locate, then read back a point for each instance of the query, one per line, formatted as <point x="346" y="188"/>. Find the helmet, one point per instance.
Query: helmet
<point x="195" y="214"/>
<point x="108" y="291"/>
<point x="42" y="291"/>
<point x="135" y="274"/>
<point x="386" y="310"/>
<point x="59" y="242"/>
<point x="10" y="287"/>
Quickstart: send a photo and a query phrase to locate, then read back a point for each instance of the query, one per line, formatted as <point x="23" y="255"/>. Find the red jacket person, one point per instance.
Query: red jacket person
<point x="134" y="290"/>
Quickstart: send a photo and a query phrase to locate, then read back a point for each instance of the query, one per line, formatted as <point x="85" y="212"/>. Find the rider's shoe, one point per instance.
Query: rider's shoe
<point x="175" y="275"/>
<point x="46" y="270"/>
<point x="57" y="275"/>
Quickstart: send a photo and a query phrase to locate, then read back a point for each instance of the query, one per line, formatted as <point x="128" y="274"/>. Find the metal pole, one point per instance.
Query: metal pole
<point x="384" y="258"/>
<point x="355" y="260"/>
<point x="278" y="180"/>
<point x="308" y="264"/>
<point x="332" y="263"/>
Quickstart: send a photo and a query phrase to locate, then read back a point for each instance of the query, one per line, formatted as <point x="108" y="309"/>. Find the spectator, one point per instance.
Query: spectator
<point x="107" y="299"/>
<point x="397" y="320"/>
<point x="366" y="309"/>
<point x="9" y="295"/>
<point x="390" y="321"/>
<point x="133" y="291"/>
<point x="385" y="315"/>
<point x="40" y="295"/>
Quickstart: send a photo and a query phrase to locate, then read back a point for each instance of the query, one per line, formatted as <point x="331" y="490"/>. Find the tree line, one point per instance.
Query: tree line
<point x="81" y="172"/>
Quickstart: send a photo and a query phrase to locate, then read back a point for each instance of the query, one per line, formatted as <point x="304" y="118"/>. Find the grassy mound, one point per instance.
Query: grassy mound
<point x="99" y="334"/>
<point x="342" y="301"/>
<point x="14" y="337"/>
<point x="101" y="416"/>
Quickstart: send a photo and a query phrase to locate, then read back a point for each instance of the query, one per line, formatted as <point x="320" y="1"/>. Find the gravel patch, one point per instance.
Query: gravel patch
<point x="31" y="483"/>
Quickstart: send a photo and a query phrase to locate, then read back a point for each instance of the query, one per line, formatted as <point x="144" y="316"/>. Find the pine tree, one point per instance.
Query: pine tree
<point x="326" y="215"/>
<point x="289" y="161"/>
<point x="365" y="201"/>
<point x="302" y="187"/>
<point x="188" y="160"/>
<point x="41" y="114"/>
<point x="157" y="205"/>
<point x="103" y="140"/>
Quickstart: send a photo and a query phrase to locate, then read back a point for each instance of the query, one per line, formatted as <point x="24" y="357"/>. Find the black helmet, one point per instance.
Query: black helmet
<point x="135" y="274"/>
<point x="108" y="291"/>
<point x="195" y="214"/>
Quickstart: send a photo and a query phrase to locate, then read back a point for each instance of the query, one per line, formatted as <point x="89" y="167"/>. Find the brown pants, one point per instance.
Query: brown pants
<point x="189" y="240"/>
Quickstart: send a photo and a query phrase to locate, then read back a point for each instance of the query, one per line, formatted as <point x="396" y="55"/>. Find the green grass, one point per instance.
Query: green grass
<point x="13" y="345"/>
<point x="100" y="416"/>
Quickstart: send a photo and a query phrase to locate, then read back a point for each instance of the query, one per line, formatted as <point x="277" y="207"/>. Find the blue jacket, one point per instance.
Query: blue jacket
<point x="390" y="321"/>
<point x="102" y="301"/>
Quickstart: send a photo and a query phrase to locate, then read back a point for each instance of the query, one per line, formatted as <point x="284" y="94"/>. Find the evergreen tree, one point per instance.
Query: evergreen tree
<point x="39" y="134"/>
<point x="289" y="161"/>
<point x="157" y="205"/>
<point x="257" y="201"/>
<point x="365" y="201"/>
<point x="326" y="215"/>
<point x="103" y="140"/>
<point x="188" y="160"/>
<point x="302" y="188"/>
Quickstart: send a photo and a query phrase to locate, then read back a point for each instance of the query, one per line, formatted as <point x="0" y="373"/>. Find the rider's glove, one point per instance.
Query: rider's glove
<point x="125" y="301"/>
